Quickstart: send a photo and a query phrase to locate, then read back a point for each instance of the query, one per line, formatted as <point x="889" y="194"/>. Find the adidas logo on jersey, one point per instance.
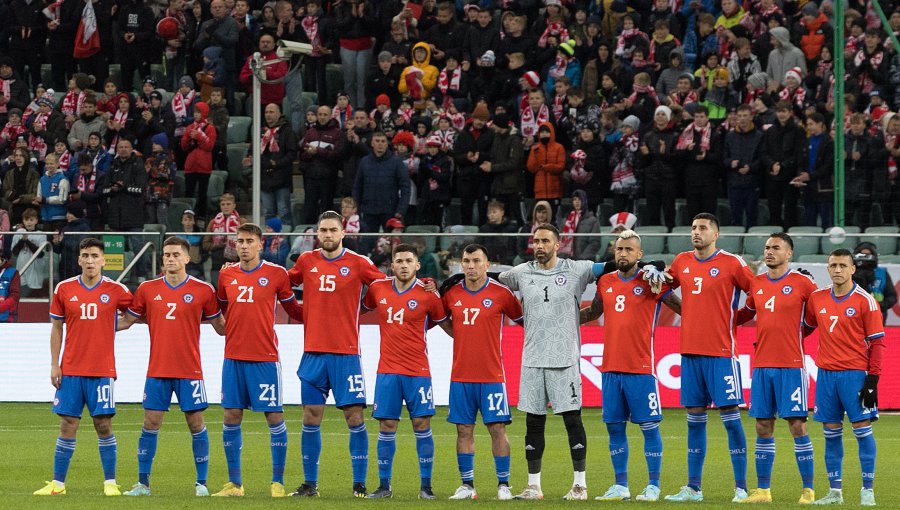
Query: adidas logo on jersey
<point x="654" y="413"/>
<point x="609" y="290"/>
<point x="822" y="311"/>
<point x="383" y="301"/>
<point x="197" y="401"/>
<point x="759" y="291"/>
<point x="158" y="298"/>
<point x="686" y="270"/>
<point x="234" y="282"/>
<point x="314" y="270"/>
<point x="458" y="303"/>
<point x="73" y="298"/>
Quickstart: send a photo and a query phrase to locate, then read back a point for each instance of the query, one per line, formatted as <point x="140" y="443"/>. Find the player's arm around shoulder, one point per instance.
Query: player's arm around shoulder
<point x="671" y="300"/>
<point x="56" y="339"/>
<point x="592" y="312"/>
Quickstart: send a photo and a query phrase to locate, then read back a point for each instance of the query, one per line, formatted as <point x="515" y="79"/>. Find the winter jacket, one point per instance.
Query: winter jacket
<point x="785" y="58"/>
<point x="27" y="15"/>
<point x="783" y="144"/>
<point x="660" y="166"/>
<point x="430" y="76"/>
<point x="821" y="175"/>
<point x="137" y="18"/>
<point x="32" y="180"/>
<point x="382" y="185"/>
<point x="218" y="117"/>
<point x="448" y="37"/>
<point x="19" y="97"/>
<point x="61" y="42"/>
<point x="744" y="148"/>
<point x="668" y="78"/>
<point x="69" y="247"/>
<point x="94" y="200"/>
<point x="501" y="249"/>
<point x="328" y="141"/>
<point x="547" y="162"/>
<point x="54" y="128"/>
<point x="82" y="129"/>
<point x="465" y="143"/>
<point x="506" y="164"/>
<point x="278" y="166"/>
<point x="707" y="171"/>
<point x="219" y="32"/>
<point x="860" y="175"/>
<point x="199" y="148"/>
<point x="125" y="192"/>
<point x="815" y="35"/>
<point x="435" y="171"/>
<point x="585" y="247"/>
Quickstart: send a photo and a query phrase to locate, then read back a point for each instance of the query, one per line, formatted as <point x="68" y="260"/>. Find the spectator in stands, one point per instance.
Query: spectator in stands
<point x="350" y="215"/>
<point x="505" y="164"/>
<point x="357" y="142"/>
<point x="318" y="31"/>
<point x="222" y="247"/>
<point x="580" y="220"/>
<point x="268" y="92"/>
<point x="198" y="254"/>
<point x="88" y="122"/>
<point x="780" y="156"/>
<point x="124" y="123"/>
<point x="784" y="57"/>
<point x="540" y="214"/>
<point x="66" y="242"/>
<point x="161" y="169"/>
<point x="213" y="73"/>
<point x="219" y="118"/>
<point x="136" y="37"/>
<point x="20" y="183"/>
<point x="175" y="49"/>
<point x="700" y="147"/>
<point x="86" y="186"/>
<point x="125" y="194"/>
<point x="816" y="177"/>
<point x="384" y="79"/>
<point x="10" y="289"/>
<point x="874" y="278"/>
<point x="356" y="24"/>
<point x="864" y="171"/>
<point x="13" y="90"/>
<point x="159" y="119"/>
<point x="547" y="161"/>
<point x="198" y="141"/>
<point x="743" y="168"/>
<point x="221" y="31"/>
<point x="278" y="153"/>
<point x="52" y="194"/>
<point x="275" y="246"/>
<point x="27" y="37"/>
<point x="25" y="244"/>
<point x="659" y="157"/>
<point x="434" y="183"/>
<point x="502" y="248"/>
<point x="46" y="126"/>
<point x="419" y="78"/>
<point x="381" y="189"/>
<point x="248" y="31"/>
<point x="870" y="65"/>
<point x="320" y="162"/>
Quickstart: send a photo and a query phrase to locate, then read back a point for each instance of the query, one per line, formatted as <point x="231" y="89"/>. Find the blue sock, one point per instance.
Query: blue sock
<point x="387" y="447"/>
<point x="696" y="448"/>
<point x="866" y="441"/>
<point x="653" y="449"/>
<point x="65" y="448"/>
<point x="737" y="446"/>
<point x="108" y="447"/>
<point x="466" y="463"/>
<point x="803" y="451"/>
<point x="618" y="451"/>
<point x="233" y="442"/>
<point x="359" y="452"/>
<point x="200" y="446"/>
<point x="146" y="451"/>
<point x="311" y="448"/>
<point x="834" y="456"/>
<point x="501" y="465"/>
<point x="425" y="451"/>
<point x="765" y="459"/>
<point x="278" y="437"/>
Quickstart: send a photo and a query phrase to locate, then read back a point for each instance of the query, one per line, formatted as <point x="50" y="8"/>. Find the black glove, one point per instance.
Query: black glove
<point x="494" y="276"/>
<point x="660" y="265"/>
<point x="868" y="395"/>
<point x="805" y="272"/>
<point x="450" y="282"/>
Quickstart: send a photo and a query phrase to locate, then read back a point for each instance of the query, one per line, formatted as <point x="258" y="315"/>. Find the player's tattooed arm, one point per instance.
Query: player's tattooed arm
<point x="673" y="302"/>
<point x="447" y="326"/>
<point x="218" y="324"/>
<point x="56" y="339"/>
<point x="592" y="312"/>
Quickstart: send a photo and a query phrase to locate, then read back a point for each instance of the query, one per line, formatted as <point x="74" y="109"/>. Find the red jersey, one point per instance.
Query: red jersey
<point x="478" y="320"/>
<point x="711" y="290"/>
<point x="631" y="310"/>
<point x="332" y="291"/>
<point x="846" y="326"/>
<point x="250" y="298"/>
<point x="173" y="315"/>
<point x="779" y="305"/>
<point x="404" y="318"/>
<point x="90" y="315"/>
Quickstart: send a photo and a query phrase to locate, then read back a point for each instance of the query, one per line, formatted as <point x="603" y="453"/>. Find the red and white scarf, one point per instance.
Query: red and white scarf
<point x="624" y="40"/>
<point x="37" y="143"/>
<point x="180" y="104"/>
<point x="120" y="118"/>
<point x="449" y="80"/>
<point x="351" y="224"/>
<point x="72" y="103"/>
<point x="558" y="69"/>
<point x="530" y="123"/>
<point x="376" y="116"/>
<point x="577" y="172"/>
<point x="865" y="81"/>
<point x="10" y="132"/>
<point x="347" y="112"/>
<point x="890" y="141"/>
<point x="557" y="28"/>
<point x="623" y="178"/>
<point x="405" y="113"/>
<point x="86" y="185"/>
<point x="447" y="137"/>
<point x="65" y="159"/>
<point x="567" y="242"/>
<point x="311" y="27"/>
<point x="558" y="106"/>
<point x="458" y="121"/>
<point x="270" y="139"/>
<point x="228" y="226"/>
<point x="796" y="97"/>
<point x="4" y="89"/>
<point x="683" y="99"/>
<point x="414" y="85"/>
<point x="643" y="89"/>
<point x="687" y="137"/>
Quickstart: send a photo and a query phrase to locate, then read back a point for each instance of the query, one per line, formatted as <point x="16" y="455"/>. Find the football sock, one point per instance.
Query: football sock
<point x="387" y="447"/>
<point x="146" y="451"/>
<point x="65" y="448"/>
<point x="534" y="441"/>
<point x="359" y="452"/>
<point x="501" y="465"/>
<point x="311" y="447"/>
<point x="233" y="441"/>
<point x="653" y="449"/>
<point x="866" y="441"/>
<point x="278" y="438"/>
<point x="696" y="448"/>
<point x="765" y="459"/>
<point x="577" y="439"/>
<point x="466" y="463"/>
<point x="803" y="451"/>
<point x="834" y="456"/>
<point x="618" y="451"/>
<point x="425" y="451"/>
<point x="108" y="448"/>
<point x="737" y="446"/>
<point x="200" y="446"/>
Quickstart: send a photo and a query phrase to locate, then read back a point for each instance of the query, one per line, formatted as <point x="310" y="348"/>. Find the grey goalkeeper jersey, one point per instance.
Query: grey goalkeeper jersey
<point x="551" y="299"/>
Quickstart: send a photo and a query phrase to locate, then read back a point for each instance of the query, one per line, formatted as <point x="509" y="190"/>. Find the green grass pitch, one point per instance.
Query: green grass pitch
<point x="28" y="433"/>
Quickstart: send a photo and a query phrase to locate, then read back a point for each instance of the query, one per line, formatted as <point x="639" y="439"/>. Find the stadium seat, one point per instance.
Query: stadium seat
<point x="886" y="245"/>
<point x="723" y="212"/>
<point x="217" y="182"/>
<point x="239" y="129"/>
<point x="681" y="218"/>
<point x="173" y="220"/>
<point x="811" y="259"/>
<point x="179" y="185"/>
<point x="805" y="244"/>
<point x="755" y="244"/>
<point x="302" y="227"/>
<point x="653" y="243"/>
<point x="665" y="257"/>
<point x="460" y="241"/>
<point x="679" y="240"/>
<point x="297" y="211"/>
<point x="187" y="201"/>
<point x="236" y="153"/>
<point x="308" y="99"/>
<point x="240" y="98"/>
<point x="157" y="239"/>
<point x="429" y="240"/>
<point x="850" y="242"/>
<point x="334" y="80"/>
<point x="158" y="73"/>
<point x="889" y="259"/>
<point x="115" y="73"/>
<point x="605" y="210"/>
<point x="763" y="214"/>
<point x="731" y="244"/>
<point x="47" y="74"/>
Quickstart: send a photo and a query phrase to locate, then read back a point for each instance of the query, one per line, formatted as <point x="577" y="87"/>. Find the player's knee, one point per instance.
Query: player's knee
<point x="233" y="416"/>
<point x="797" y="427"/>
<point x="535" y="423"/>
<point x="68" y="425"/>
<point x="387" y="425"/>
<point x="312" y="415"/>
<point x="421" y="423"/>
<point x="496" y="430"/>
<point x="766" y="428"/>
<point x="103" y="426"/>
<point x="353" y="415"/>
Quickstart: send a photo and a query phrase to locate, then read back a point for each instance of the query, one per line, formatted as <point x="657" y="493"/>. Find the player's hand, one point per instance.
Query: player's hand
<point x="805" y="272"/>
<point x="655" y="277"/>
<point x="868" y="395"/>
<point x="56" y="376"/>
<point x="430" y="286"/>
<point x="450" y="282"/>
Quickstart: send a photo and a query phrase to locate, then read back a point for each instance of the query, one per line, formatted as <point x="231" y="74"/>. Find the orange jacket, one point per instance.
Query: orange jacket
<point x="547" y="163"/>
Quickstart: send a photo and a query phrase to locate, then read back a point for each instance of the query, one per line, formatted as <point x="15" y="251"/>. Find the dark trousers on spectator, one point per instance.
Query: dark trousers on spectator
<point x="62" y="67"/>
<point x="744" y="201"/>
<point x="472" y="192"/>
<point x="660" y="195"/>
<point x="95" y="66"/>
<point x="129" y="64"/>
<point x="315" y="78"/>
<point x="319" y="197"/>
<point x="201" y="183"/>
<point x="30" y="58"/>
<point x="858" y="211"/>
<point x="814" y="209"/>
<point x="700" y="199"/>
<point x="369" y="222"/>
<point x="432" y="213"/>
<point x="782" y="195"/>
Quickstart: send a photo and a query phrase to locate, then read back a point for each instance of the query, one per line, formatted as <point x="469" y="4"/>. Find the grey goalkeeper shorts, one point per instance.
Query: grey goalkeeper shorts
<point x="560" y="387"/>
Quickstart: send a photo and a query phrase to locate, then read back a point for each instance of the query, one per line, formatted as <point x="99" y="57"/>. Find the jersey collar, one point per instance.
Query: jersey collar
<point x="322" y="254"/>
<point x="844" y="297"/>
<point x="90" y="288"/>
<point x="251" y="270"/>
<point x="175" y="287"/>
<point x="394" y="286"/>
<point x="707" y="258"/>
<point x="782" y="277"/>
<point x="487" y="281"/>
<point x="626" y="280"/>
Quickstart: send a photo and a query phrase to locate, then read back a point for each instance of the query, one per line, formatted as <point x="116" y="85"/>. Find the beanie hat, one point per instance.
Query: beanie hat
<point x="758" y="80"/>
<point x="501" y="120"/>
<point x="489" y="58"/>
<point x="186" y="81"/>
<point x="567" y="47"/>
<point x="632" y="122"/>
<point x="385" y="56"/>
<point x="383" y="99"/>
<point x="404" y="138"/>
<point x="664" y="110"/>
<point x="274" y="223"/>
<point x="532" y="79"/>
<point x="161" y="139"/>
<point x="794" y="72"/>
<point x="481" y="113"/>
<point x="811" y="9"/>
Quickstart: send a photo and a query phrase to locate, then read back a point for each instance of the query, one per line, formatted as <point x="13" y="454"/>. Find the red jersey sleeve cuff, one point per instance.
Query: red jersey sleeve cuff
<point x="213" y="316"/>
<point x="132" y="312"/>
<point x="875" y="336"/>
<point x="57" y="317"/>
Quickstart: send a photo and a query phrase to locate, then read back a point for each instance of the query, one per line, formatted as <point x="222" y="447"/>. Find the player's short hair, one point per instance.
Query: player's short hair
<point x="474" y="247"/>
<point x="91" y="242"/>
<point x="177" y="241"/>
<point x="708" y="216"/>
<point x="629" y="234"/>
<point x="841" y="252"/>
<point x="784" y="236"/>
<point x="548" y="226"/>
<point x="404" y="248"/>
<point x="250" y="228"/>
<point x="331" y="215"/>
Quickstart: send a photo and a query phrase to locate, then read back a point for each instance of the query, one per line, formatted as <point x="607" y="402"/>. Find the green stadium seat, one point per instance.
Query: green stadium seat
<point x="731" y="244"/>
<point x="179" y="185"/>
<point x="158" y="72"/>
<point x="723" y="212"/>
<point x="460" y="241"/>
<point x="850" y="241"/>
<point x="886" y="245"/>
<point x="679" y="240"/>
<point x="762" y="214"/>
<point x="115" y="72"/>
<point x="429" y="240"/>
<point x="805" y="244"/>
<point x="811" y="259"/>
<point x="239" y="129"/>
<point x="653" y="243"/>
<point x="173" y="220"/>
<point x="157" y="239"/>
<point x="755" y="244"/>
<point x="47" y="74"/>
<point x="889" y="259"/>
<point x="217" y="182"/>
<point x="334" y="80"/>
<point x="240" y="99"/>
<point x="665" y="257"/>
<point x="236" y="153"/>
<point x="297" y="211"/>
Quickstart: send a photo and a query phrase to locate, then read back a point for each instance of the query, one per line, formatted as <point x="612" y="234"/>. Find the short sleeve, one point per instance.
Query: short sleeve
<point x="436" y="312"/>
<point x="369" y="299"/>
<point x="809" y="317"/>
<point x="511" y="278"/>
<point x="675" y="272"/>
<point x="512" y="307"/>
<point x="211" y="308"/>
<point x="284" y="288"/>
<point x="295" y="273"/>
<point x="368" y="273"/>
<point x="873" y="321"/>
<point x="585" y="271"/>
<point x="742" y="276"/>
<point x="57" y="306"/>
<point x="221" y="295"/>
<point x="138" y="305"/>
<point x="125" y="299"/>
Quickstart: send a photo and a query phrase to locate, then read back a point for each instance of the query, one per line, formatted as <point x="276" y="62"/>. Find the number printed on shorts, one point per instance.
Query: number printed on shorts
<point x="356" y="383"/>
<point x="104" y="394"/>
<point x="267" y="392"/>
<point x="729" y="380"/>
<point x="427" y="397"/>
<point x="88" y="311"/>
<point x="652" y="401"/>
<point x="495" y="403"/>
<point x="797" y="396"/>
<point x="199" y="390"/>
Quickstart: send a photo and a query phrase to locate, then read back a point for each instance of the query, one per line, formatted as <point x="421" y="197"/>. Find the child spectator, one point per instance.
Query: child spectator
<point x="453" y="83"/>
<point x="24" y="245"/>
<point x="197" y="253"/>
<point x="434" y="183"/>
<point x="630" y="38"/>
<point x="624" y="187"/>
<point x="222" y="247"/>
<point x="12" y="129"/>
<point x="418" y="79"/>
<point x="52" y="194"/>
<point x="539" y="215"/>
<point x="86" y="186"/>
<point x="275" y="246"/>
<point x="502" y="249"/>
<point x="219" y="118"/>
<point x="565" y="65"/>
<point x="160" y="166"/>
<point x="547" y="161"/>
<point x="662" y="45"/>
<point x="382" y="111"/>
<point x="198" y="141"/>
<point x="10" y="289"/>
<point x="213" y="73"/>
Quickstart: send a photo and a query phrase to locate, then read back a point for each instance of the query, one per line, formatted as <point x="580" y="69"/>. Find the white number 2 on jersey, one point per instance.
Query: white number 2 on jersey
<point x="245" y="294"/>
<point x="171" y="313"/>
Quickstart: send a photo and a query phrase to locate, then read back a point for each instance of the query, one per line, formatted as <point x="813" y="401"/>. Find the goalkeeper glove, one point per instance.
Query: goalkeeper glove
<point x="868" y="395"/>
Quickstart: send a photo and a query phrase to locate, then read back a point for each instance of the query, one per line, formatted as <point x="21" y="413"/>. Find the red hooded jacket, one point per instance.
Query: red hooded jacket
<point x="199" y="146"/>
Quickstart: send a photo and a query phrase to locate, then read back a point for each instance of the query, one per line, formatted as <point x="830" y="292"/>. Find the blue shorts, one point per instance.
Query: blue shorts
<point x="392" y="390"/>
<point x="632" y="397"/>
<point x="837" y="392"/>
<point x="191" y="394"/>
<point x="467" y="398"/>
<point x="708" y="379"/>
<point x="74" y="392"/>
<point x="781" y="391"/>
<point x="254" y="385"/>
<point x="321" y="372"/>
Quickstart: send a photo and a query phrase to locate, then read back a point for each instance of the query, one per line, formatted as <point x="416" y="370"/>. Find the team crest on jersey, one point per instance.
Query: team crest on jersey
<point x="787" y="289"/>
<point x="104" y="298"/>
<point x="850" y="312"/>
<point x="345" y="270"/>
<point x="560" y="280"/>
<point x="188" y="298"/>
<point x="412" y="304"/>
<point x="263" y="281"/>
<point x="488" y="302"/>
<point x="638" y="291"/>
<point x="714" y="272"/>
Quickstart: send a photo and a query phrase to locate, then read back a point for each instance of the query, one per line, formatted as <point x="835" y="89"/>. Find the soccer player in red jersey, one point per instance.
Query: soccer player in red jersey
<point x="173" y="307"/>
<point x="333" y="278"/>
<point x="479" y="307"/>
<point x="88" y="306"/>
<point x="251" y="373"/>
<point x="406" y="311"/>
<point x="711" y="281"/>
<point x="630" y="388"/>
<point x="778" y="299"/>
<point x="851" y="350"/>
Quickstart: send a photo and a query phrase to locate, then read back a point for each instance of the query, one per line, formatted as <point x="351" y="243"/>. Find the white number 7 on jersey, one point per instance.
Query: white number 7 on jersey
<point x="834" y="319"/>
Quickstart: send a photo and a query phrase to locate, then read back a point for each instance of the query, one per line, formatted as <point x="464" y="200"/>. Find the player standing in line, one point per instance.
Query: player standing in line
<point x="630" y="388"/>
<point x="711" y="281"/>
<point x="406" y="311"/>
<point x="479" y="308"/>
<point x="851" y="350"/>
<point x="173" y="307"/>
<point x="778" y="298"/>
<point x="251" y="373"/>
<point x="88" y="306"/>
